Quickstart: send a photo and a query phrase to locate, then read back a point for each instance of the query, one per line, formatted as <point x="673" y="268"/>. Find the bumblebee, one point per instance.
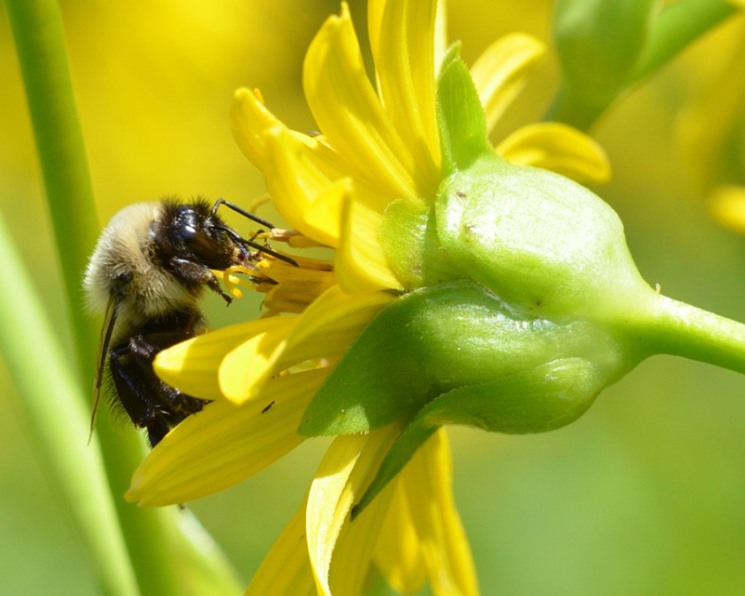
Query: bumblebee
<point x="147" y="273"/>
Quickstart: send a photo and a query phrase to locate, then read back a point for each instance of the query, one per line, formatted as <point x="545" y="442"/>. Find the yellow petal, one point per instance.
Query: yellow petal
<point x="298" y="168"/>
<point x="500" y="72"/>
<point x="192" y="366"/>
<point x="348" y="112"/>
<point x="314" y="167"/>
<point x="559" y="148"/>
<point x="361" y="265"/>
<point x="727" y="205"/>
<point x="286" y="568"/>
<point x="427" y="480"/>
<point x="370" y="197"/>
<point x="353" y="554"/>
<point x="302" y="190"/>
<point x="397" y="552"/>
<point x="245" y="368"/>
<point x="297" y="287"/>
<point x="375" y="11"/>
<point x="251" y="120"/>
<point x="224" y="444"/>
<point x="331" y="324"/>
<point x="441" y="35"/>
<point x="252" y="123"/>
<point x="405" y="67"/>
<point x="348" y="466"/>
<point x="325" y="329"/>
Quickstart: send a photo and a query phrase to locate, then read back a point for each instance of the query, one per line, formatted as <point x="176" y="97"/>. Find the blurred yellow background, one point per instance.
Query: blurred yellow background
<point x="643" y="495"/>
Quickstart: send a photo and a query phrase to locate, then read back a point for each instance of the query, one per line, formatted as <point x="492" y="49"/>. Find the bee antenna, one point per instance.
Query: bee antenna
<point x="265" y="249"/>
<point x="243" y="212"/>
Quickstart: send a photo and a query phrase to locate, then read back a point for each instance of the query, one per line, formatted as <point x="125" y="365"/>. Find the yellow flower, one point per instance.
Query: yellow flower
<point x="377" y="143"/>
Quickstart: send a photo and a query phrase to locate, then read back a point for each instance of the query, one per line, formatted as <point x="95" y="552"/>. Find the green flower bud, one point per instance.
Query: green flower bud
<point x="599" y="43"/>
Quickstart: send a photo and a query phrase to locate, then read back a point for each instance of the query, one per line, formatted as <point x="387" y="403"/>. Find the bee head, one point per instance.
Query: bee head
<point x="191" y="231"/>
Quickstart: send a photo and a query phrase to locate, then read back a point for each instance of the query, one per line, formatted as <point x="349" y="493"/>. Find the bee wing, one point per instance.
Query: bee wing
<point x="107" y="328"/>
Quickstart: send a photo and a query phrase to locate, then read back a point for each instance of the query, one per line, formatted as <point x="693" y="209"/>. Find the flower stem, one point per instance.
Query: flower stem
<point x="680" y="329"/>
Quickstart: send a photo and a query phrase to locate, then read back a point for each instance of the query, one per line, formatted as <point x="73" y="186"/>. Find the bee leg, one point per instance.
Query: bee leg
<point x="156" y="430"/>
<point x="135" y="389"/>
<point x="214" y="285"/>
<point x="196" y="275"/>
<point x="149" y="402"/>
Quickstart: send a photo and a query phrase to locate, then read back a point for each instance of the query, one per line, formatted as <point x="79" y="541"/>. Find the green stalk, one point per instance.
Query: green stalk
<point x="679" y="329"/>
<point x="149" y="534"/>
<point x="39" y="38"/>
<point x="54" y="408"/>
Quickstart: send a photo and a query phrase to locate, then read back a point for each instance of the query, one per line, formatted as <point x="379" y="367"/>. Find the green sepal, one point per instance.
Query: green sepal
<point x="408" y="231"/>
<point x="536" y="400"/>
<point x="461" y="118"/>
<point x="409" y="238"/>
<point x="441" y="338"/>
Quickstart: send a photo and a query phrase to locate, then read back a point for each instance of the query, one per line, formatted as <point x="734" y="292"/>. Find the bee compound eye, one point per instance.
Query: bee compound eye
<point x="186" y="233"/>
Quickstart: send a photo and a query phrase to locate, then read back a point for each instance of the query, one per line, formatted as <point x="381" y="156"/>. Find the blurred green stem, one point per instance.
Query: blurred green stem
<point x="59" y="425"/>
<point x="676" y="27"/>
<point x="39" y="38"/>
<point x="149" y="534"/>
